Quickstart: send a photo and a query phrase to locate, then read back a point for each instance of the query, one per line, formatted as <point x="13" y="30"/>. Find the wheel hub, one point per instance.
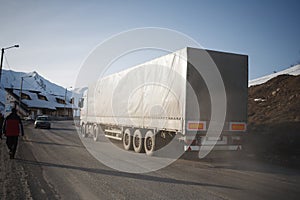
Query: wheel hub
<point x="149" y="143"/>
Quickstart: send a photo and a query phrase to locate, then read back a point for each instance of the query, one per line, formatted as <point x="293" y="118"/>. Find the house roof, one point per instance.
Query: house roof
<point x="34" y="102"/>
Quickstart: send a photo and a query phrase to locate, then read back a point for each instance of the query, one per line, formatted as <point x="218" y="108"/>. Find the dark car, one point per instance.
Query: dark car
<point x="42" y="122"/>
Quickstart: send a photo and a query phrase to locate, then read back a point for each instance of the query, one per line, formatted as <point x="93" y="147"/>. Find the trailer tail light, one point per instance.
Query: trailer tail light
<point x="237" y="126"/>
<point x="196" y="126"/>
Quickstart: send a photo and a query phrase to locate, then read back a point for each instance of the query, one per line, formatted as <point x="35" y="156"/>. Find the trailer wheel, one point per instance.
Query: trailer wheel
<point x="83" y="130"/>
<point x="149" y="143"/>
<point x="138" y="141"/>
<point x="127" y="140"/>
<point x="96" y="133"/>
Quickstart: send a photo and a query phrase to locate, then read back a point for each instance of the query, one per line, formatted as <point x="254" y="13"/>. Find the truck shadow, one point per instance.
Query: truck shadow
<point x="123" y="174"/>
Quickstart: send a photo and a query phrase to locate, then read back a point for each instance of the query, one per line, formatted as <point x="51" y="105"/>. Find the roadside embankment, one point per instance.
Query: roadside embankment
<point x="13" y="179"/>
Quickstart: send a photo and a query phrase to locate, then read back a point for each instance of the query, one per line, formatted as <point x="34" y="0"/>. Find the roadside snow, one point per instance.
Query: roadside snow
<point x="259" y="100"/>
<point x="13" y="181"/>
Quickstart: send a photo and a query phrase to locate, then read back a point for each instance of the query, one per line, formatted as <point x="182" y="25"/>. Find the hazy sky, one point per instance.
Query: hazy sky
<point x="56" y="36"/>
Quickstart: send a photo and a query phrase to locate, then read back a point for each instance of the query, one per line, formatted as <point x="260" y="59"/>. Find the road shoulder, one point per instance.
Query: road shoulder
<point x="13" y="179"/>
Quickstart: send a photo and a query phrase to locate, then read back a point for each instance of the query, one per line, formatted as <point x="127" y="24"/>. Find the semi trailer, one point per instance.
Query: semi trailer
<point x="170" y="97"/>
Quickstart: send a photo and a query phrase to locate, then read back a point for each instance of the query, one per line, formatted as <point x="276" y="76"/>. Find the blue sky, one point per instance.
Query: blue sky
<point x="56" y="36"/>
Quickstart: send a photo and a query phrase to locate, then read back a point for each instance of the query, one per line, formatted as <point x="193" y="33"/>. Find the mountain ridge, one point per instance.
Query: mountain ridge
<point x="294" y="70"/>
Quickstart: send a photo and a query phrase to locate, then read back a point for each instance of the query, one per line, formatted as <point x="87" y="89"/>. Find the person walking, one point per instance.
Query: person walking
<point x="12" y="128"/>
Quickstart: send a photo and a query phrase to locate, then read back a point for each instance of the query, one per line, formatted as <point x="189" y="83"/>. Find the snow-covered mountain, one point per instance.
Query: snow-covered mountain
<point x="295" y="70"/>
<point x="31" y="81"/>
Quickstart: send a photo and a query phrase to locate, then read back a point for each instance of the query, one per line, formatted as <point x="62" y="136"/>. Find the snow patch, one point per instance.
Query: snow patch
<point x="295" y="70"/>
<point x="259" y="100"/>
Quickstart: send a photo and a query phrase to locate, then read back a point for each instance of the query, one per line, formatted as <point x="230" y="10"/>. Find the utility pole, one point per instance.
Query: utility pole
<point x="21" y="88"/>
<point x="66" y="101"/>
<point x="20" y="99"/>
<point x="2" y="54"/>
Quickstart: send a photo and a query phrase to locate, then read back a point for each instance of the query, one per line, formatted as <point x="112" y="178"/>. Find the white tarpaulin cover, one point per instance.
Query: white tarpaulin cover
<point x="148" y="95"/>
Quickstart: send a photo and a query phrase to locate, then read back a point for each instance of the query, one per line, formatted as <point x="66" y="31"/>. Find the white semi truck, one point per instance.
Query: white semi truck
<point x="146" y="106"/>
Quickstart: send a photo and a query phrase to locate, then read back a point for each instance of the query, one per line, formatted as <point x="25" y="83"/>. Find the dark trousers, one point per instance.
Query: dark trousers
<point x="12" y="143"/>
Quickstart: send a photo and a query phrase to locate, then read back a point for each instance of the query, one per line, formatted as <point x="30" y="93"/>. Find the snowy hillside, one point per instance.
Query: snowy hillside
<point x="295" y="70"/>
<point x="31" y="81"/>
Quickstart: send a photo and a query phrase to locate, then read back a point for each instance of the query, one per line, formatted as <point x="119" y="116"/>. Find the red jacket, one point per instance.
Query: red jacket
<point x="12" y="125"/>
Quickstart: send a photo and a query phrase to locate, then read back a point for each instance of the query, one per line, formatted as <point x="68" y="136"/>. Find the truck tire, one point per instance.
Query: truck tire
<point x="127" y="140"/>
<point x="96" y="133"/>
<point x="83" y="131"/>
<point x="149" y="143"/>
<point x="138" y="141"/>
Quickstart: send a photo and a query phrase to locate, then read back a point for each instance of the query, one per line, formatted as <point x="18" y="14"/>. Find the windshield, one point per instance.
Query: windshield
<point x="42" y="118"/>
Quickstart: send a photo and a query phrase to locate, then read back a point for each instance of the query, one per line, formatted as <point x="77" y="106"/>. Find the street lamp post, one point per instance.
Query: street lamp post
<point x="2" y="54"/>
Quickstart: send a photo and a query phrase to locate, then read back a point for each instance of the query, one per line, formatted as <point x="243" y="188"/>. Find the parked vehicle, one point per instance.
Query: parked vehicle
<point x="29" y="118"/>
<point x="144" y="115"/>
<point x="42" y="122"/>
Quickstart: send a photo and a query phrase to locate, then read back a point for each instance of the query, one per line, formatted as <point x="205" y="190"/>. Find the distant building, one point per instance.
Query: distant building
<point x="38" y="103"/>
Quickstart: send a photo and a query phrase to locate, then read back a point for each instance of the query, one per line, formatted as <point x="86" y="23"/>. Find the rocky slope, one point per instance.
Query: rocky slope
<point x="276" y="101"/>
<point x="274" y="120"/>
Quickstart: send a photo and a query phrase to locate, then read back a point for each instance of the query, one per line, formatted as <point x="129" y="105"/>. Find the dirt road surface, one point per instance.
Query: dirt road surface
<point x="53" y="164"/>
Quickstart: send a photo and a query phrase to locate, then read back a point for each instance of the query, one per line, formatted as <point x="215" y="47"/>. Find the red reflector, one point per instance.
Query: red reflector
<point x="237" y="126"/>
<point x="195" y="126"/>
